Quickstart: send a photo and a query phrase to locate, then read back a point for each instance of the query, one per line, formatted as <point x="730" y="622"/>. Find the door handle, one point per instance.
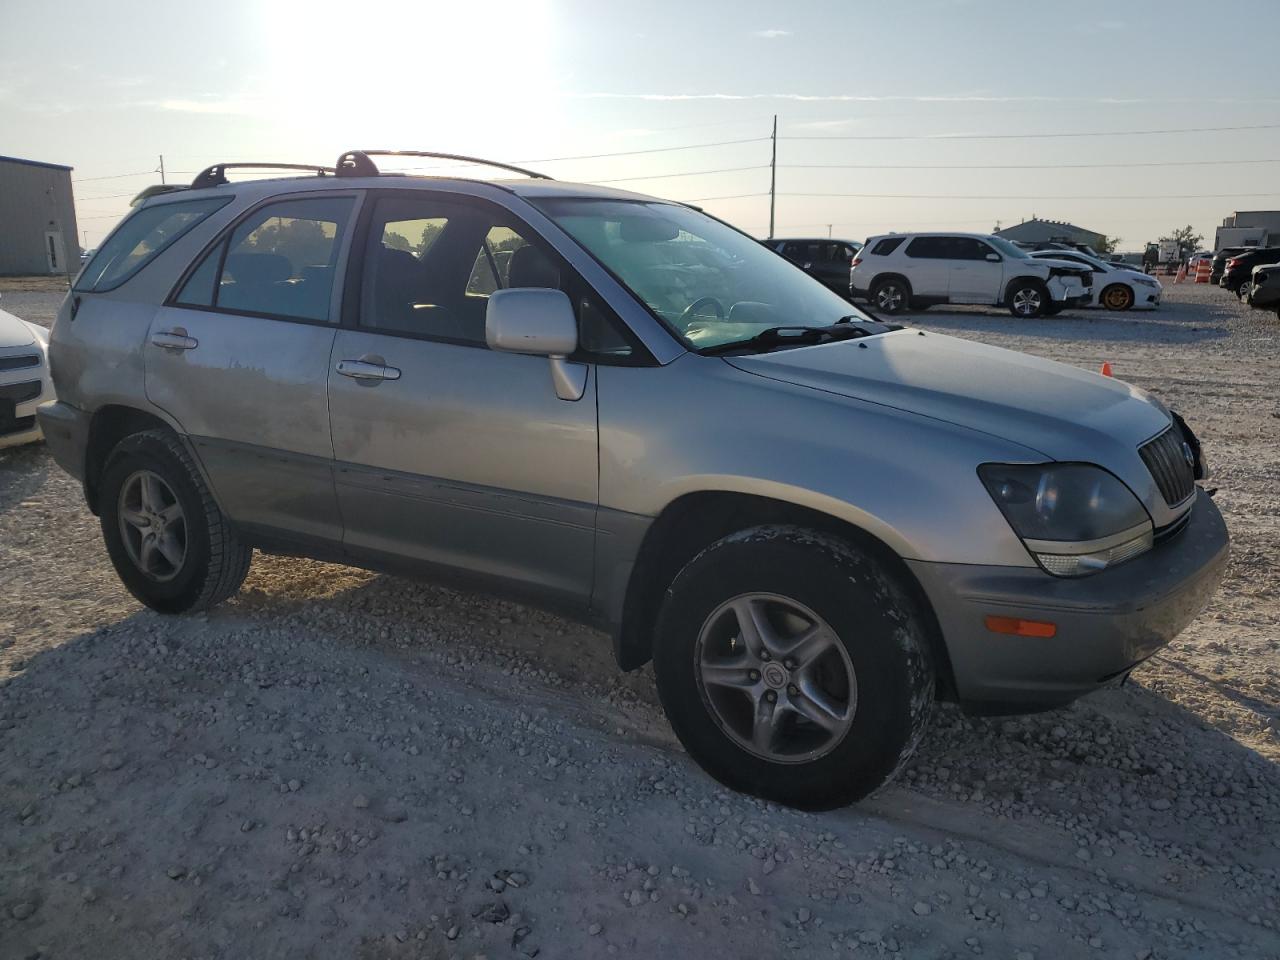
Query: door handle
<point x="175" y="339"/>
<point x="367" y="369"/>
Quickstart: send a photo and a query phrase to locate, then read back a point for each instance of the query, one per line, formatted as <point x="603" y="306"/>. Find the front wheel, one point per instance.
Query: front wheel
<point x="793" y="667"/>
<point x="1028" y="299"/>
<point x="168" y="540"/>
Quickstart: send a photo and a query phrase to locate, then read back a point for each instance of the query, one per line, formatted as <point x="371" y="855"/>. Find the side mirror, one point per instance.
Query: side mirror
<point x="993" y="258"/>
<point x="540" y="322"/>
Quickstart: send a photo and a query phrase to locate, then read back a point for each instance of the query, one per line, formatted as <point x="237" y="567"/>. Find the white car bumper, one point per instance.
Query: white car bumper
<point x="1068" y="290"/>
<point x="24" y="384"/>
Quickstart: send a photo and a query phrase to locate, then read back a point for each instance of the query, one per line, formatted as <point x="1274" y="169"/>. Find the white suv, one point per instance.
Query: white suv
<point x="917" y="270"/>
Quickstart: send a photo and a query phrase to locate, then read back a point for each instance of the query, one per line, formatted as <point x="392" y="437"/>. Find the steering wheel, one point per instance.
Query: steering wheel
<point x="692" y="309"/>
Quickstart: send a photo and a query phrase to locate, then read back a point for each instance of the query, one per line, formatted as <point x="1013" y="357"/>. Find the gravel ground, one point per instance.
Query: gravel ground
<point x="349" y="765"/>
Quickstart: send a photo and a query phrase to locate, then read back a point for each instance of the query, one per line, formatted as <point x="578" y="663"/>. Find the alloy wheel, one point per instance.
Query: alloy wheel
<point x="1027" y="301"/>
<point x="776" y="678"/>
<point x="152" y="525"/>
<point x="889" y="297"/>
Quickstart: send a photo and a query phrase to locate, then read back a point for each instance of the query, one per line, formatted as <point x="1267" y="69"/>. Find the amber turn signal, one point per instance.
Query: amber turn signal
<point x="1021" y="628"/>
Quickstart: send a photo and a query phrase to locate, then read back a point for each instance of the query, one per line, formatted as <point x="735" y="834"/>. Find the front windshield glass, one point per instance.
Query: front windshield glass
<point x="709" y="283"/>
<point x="1008" y="249"/>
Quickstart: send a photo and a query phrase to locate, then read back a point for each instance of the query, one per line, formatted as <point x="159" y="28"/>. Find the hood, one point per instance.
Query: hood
<point x="13" y="332"/>
<point x="1060" y="411"/>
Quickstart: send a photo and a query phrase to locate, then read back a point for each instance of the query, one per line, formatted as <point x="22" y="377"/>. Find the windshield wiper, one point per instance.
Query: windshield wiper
<point x="801" y="336"/>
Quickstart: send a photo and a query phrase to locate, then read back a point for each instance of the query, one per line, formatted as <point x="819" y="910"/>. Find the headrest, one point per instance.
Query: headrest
<point x="530" y="267"/>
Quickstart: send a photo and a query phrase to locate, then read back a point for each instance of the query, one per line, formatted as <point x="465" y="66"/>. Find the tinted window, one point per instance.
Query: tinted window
<point x="967" y="248"/>
<point x="887" y="246"/>
<point x="142" y="236"/>
<point x="930" y="248"/>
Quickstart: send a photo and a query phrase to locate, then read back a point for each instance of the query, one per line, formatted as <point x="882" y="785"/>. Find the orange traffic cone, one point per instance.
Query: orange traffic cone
<point x="1106" y="368"/>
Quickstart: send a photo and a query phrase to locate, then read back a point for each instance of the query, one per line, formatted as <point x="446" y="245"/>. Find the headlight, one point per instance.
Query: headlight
<point x="1146" y="281"/>
<point x="1076" y="519"/>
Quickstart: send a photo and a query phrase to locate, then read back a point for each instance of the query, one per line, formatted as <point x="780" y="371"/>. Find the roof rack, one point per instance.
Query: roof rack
<point x="356" y="163"/>
<point x="216" y="175"/>
<point x="146" y="193"/>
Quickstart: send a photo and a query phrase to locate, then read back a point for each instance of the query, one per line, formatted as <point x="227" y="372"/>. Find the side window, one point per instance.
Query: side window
<point x="967" y="248"/>
<point x="492" y="268"/>
<point x="929" y="248"/>
<point x="886" y="246"/>
<point x="140" y="238"/>
<point x="280" y="262"/>
<point x="440" y="286"/>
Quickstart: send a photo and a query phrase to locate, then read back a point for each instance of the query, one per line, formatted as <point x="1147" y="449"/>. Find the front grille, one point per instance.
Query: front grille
<point x="20" y="425"/>
<point x="18" y="363"/>
<point x="20" y="392"/>
<point x="1165" y="457"/>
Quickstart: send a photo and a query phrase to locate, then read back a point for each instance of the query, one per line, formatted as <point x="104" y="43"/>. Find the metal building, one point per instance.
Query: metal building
<point x="37" y="219"/>
<point x="1036" y="230"/>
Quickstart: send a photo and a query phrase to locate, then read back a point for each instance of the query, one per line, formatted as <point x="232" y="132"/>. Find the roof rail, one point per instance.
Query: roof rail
<point x="356" y="163"/>
<point x="216" y="175"/>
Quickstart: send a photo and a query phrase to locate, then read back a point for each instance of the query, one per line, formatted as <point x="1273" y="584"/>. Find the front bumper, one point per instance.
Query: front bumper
<point x="1106" y="623"/>
<point x="21" y="391"/>
<point x="66" y="433"/>
<point x="1068" y="291"/>
<point x="1266" y="295"/>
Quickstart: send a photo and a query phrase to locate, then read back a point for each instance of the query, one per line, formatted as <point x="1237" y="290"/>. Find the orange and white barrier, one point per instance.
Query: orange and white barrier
<point x="1203" y="269"/>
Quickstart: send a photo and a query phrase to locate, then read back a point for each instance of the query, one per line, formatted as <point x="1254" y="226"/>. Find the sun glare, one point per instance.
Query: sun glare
<point x="460" y="77"/>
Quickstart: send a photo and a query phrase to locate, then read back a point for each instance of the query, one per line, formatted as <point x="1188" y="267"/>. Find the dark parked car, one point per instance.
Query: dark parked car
<point x="827" y="260"/>
<point x="1239" y="267"/>
<point x="1220" y="259"/>
<point x="1264" y="287"/>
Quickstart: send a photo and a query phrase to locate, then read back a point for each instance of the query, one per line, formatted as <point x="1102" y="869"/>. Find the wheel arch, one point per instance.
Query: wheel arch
<point x="695" y="520"/>
<point x="1024" y="278"/>
<point x="890" y="275"/>
<point x="109" y="425"/>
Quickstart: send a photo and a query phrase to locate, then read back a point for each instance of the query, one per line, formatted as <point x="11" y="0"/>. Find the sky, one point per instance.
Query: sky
<point x="917" y="114"/>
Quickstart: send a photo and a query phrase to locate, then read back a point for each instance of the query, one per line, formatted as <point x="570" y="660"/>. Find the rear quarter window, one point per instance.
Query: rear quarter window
<point x="140" y="239"/>
<point x="887" y="246"/>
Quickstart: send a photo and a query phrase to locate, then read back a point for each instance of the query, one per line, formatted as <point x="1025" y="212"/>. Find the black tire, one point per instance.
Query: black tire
<point x="873" y="620"/>
<point x="890" y="295"/>
<point x="1027" y="299"/>
<point x="1116" y="297"/>
<point x="1053" y="309"/>
<point x="214" y="561"/>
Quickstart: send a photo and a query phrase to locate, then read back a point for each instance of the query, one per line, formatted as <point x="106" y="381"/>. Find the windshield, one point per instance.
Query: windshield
<point x="1007" y="248"/>
<point x="707" y="282"/>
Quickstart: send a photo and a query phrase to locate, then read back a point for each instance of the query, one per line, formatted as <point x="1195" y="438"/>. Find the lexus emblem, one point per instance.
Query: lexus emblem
<point x="1187" y="455"/>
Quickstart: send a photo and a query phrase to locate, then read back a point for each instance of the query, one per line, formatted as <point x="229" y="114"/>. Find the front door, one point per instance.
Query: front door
<point x="240" y="359"/>
<point x="448" y="453"/>
<point x="974" y="278"/>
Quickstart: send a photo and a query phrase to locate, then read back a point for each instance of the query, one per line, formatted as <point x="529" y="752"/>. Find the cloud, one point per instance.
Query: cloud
<point x="771" y="34"/>
<point x="209" y="106"/>
<point x="902" y="98"/>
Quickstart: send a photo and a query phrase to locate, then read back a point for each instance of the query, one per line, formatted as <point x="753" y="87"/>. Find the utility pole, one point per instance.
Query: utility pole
<point x="829" y="226"/>
<point x="773" y="173"/>
<point x="162" y="168"/>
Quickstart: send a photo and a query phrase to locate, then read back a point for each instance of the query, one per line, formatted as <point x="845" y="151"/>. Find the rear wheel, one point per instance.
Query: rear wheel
<point x="170" y="543"/>
<point x="1028" y="298"/>
<point x="1117" y="297"/>
<point x="890" y="295"/>
<point x="793" y="667"/>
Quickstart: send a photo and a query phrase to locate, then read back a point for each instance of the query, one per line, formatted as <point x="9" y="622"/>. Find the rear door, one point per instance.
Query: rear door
<point x="974" y="278"/>
<point x="453" y="454"/>
<point x="928" y="261"/>
<point x="240" y="356"/>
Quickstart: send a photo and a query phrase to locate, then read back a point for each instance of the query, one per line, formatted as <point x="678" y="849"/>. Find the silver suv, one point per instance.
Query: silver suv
<point x="813" y="523"/>
<point x="917" y="270"/>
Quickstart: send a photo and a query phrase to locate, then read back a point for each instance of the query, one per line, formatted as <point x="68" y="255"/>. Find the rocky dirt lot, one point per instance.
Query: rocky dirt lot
<point x="338" y="764"/>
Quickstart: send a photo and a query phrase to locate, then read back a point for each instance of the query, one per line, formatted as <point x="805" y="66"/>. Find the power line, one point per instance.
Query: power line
<point x="691" y="173"/>
<point x="1040" y="136"/>
<point x="115" y="176"/>
<point x="952" y="196"/>
<point x="735" y="196"/>
<point x="1018" y="166"/>
<point x="636" y="153"/>
<point x="111" y="196"/>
